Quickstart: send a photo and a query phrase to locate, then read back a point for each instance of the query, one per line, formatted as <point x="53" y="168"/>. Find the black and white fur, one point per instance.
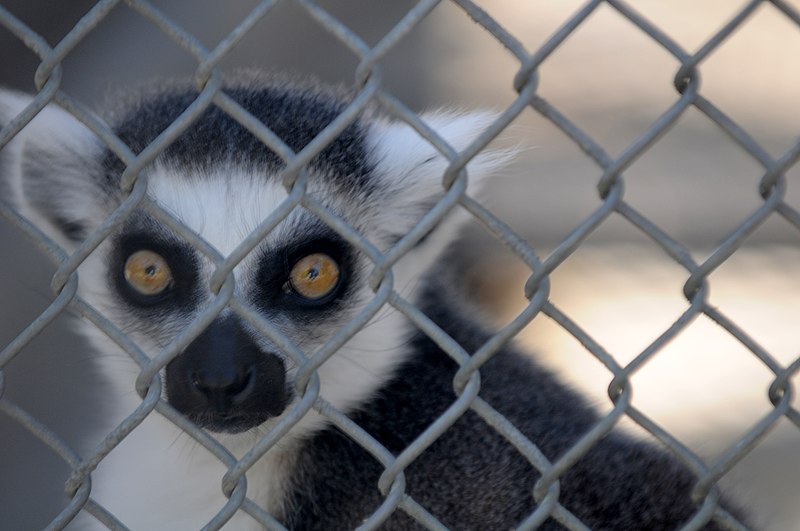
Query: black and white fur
<point x="381" y="177"/>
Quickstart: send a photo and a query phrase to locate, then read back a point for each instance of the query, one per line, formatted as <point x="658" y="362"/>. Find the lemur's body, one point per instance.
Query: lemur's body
<point x="380" y="178"/>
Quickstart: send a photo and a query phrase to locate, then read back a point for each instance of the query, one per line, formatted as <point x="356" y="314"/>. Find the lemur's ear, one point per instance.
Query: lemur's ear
<point x="411" y="169"/>
<point x="51" y="171"/>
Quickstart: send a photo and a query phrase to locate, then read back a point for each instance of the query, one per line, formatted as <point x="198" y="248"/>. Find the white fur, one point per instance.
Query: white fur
<point x="65" y="139"/>
<point x="417" y="167"/>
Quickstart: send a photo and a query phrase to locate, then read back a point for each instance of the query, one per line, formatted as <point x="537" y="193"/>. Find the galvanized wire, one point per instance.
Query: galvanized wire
<point x="466" y="384"/>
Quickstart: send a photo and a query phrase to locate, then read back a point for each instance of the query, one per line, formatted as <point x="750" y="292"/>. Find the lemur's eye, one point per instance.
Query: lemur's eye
<point x="147" y="272"/>
<point x="314" y="276"/>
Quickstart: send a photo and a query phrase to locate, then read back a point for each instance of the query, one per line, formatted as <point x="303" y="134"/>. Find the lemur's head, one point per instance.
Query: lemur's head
<point x="379" y="176"/>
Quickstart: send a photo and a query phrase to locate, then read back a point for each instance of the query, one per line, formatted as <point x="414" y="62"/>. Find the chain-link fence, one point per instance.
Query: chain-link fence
<point x="368" y="83"/>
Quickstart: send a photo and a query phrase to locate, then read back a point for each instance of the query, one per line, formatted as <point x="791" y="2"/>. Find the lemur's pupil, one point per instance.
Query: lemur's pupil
<point x="150" y="270"/>
<point x="313" y="277"/>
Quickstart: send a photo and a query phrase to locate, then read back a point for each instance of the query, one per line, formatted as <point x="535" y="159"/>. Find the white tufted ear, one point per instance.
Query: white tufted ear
<point x="51" y="171"/>
<point x="411" y="169"/>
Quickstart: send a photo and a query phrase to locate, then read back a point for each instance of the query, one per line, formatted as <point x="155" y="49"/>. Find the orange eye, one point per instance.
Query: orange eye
<point x="314" y="276"/>
<point x="147" y="272"/>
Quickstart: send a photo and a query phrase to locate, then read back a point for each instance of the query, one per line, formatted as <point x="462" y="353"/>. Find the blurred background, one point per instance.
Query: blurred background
<point x="610" y="79"/>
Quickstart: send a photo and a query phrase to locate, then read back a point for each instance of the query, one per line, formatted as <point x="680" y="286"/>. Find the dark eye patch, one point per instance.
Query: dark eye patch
<point x="272" y="292"/>
<point x="184" y="292"/>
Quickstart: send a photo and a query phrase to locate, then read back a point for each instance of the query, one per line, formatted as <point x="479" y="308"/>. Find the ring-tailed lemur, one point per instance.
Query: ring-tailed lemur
<point x="380" y="177"/>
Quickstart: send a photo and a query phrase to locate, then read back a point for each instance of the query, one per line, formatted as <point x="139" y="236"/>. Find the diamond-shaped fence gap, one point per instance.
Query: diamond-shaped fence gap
<point x="51" y="63"/>
<point x="737" y="237"/>
<point x="608" y="290"/>
<point x="632" y="74"/>
<point x="464" y="59"/>
<point x="760" y="59"/>
<point x="496" y="284"/>
<point x="758" y="288"/>
<point x="708" y="370"/>
<point x="529" y="194"/>
<point x="604" y="271"/>
<point x="573" y="364"/>
<point x="419" y="90"/>
<point x="107" y="62"/>
<point x="269" y="43"/>
<point x="766" y="478"/>
<point x="695" y="164"/>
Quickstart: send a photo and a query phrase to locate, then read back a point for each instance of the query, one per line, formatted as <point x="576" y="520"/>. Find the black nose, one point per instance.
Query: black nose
<point x="224" y="382"/>
<point x="224" y="389"/>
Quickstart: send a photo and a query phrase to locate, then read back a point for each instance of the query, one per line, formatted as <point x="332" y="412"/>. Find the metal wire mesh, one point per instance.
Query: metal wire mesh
<point x="368" y="82"/>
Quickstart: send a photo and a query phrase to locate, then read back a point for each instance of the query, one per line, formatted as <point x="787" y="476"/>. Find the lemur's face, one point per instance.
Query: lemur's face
<point x="305" y="279"/>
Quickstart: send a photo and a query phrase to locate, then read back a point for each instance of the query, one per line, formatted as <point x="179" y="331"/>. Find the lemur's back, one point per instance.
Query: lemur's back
<point x="471" y="477"/>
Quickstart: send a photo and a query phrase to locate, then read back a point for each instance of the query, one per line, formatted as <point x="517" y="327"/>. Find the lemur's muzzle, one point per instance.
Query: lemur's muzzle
<point x="224" y="382"/>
